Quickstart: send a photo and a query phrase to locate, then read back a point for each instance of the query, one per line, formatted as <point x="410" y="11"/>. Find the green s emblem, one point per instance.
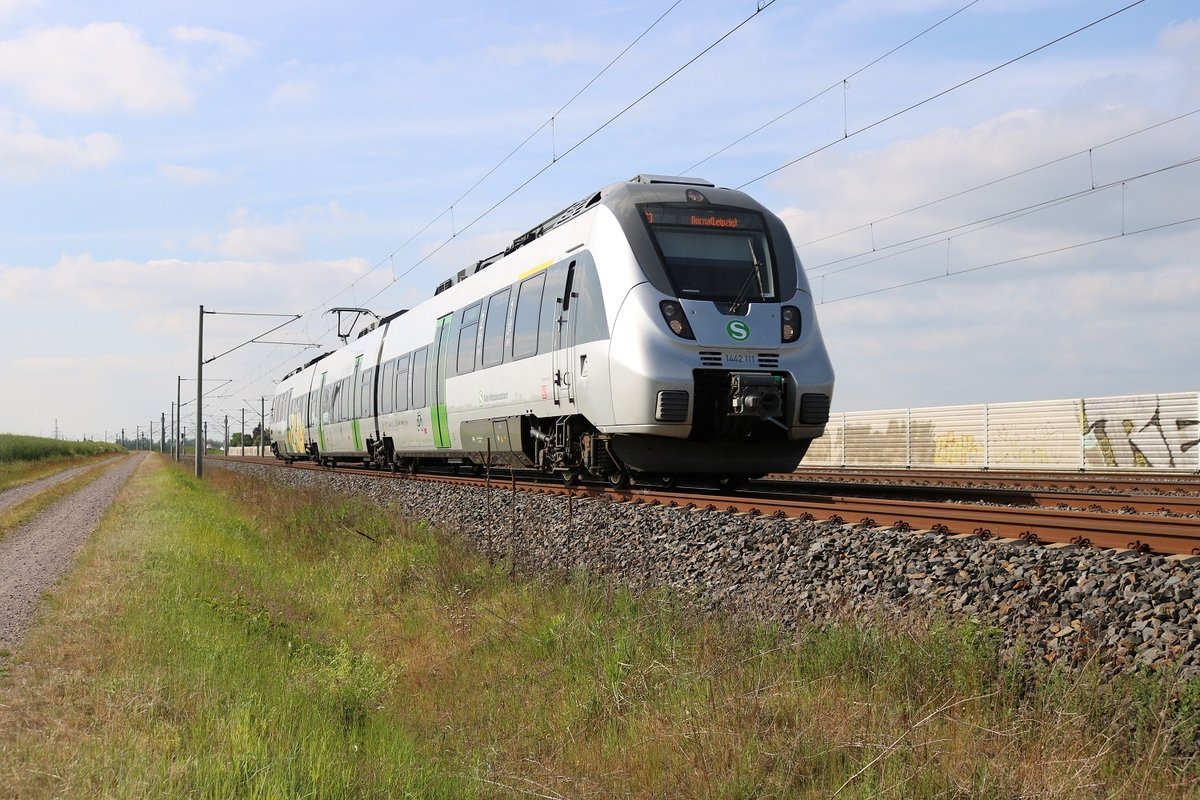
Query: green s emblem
<point x="738" y="330"/>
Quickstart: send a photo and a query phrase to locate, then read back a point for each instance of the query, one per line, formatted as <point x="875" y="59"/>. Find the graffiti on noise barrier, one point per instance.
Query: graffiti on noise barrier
<point x="1137" y="434"/>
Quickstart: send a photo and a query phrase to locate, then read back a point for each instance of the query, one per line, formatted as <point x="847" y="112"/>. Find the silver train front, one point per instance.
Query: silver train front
<point x="659" y="327"/>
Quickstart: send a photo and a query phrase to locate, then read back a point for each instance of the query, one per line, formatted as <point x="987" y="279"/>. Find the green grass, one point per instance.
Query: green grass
<point x="230" y="639"/>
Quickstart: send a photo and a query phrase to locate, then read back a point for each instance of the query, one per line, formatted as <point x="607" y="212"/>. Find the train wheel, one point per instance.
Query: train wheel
<point x="570" y="477"/>
<point x="618" y="479"/>
<point x="731" y="483"/>
<point x="668" y="481"/>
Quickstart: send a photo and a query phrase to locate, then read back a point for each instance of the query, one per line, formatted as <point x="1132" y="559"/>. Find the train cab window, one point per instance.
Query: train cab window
<point x="400" y="384"/>
<point x="419" y="378"/>
<point x="715" y="253"/>
<point x="493" y="328"/>
<point x="525" y="326"/>
<point x="467" y="333"/>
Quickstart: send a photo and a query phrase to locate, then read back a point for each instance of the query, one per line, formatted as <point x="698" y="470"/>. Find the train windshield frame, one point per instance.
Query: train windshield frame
<point x="713" y="253"/>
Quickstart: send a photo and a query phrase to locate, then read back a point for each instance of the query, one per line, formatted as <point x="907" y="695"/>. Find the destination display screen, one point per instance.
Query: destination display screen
<point x="719" y="219"/>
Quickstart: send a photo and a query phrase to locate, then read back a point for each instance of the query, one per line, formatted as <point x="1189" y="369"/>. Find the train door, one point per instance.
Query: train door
<point x="322" y="413"/>
<point x="441" y="360"/>
<point x="356" y="404"/>
<point x="564" y="342"/>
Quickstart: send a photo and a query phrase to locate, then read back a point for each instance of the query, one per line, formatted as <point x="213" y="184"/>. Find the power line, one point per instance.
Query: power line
<point x="994" y="182"/>
<point x="761" y="6"/>
<point x="944" y="92"/>
<point x="1015" y="259"/>
<point x="450" y="209"/>
<point x="997" y="219"/>
<point x="829" y="88"/>
<point x="390" y="258"/>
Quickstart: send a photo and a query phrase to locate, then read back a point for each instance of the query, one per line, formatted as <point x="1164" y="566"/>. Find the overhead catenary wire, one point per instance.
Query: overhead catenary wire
<point x="839" y="83"/>
<point x="1028" y="256"/>
<point x="396" y="277"/>
<point x="995" y="219"/>
<point x="942" y="93"/>
<point x="760" y="7"/>
<point x="549" y="121"/>
<point x="996" y="181"/>
<point x="390" y="258"/>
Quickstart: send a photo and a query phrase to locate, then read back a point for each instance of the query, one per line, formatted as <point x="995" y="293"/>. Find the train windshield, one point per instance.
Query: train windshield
<point x="713" y="254"/>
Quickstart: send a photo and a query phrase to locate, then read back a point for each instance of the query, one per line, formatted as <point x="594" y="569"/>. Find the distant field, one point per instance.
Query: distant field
<point x="29" y="458"/>
<point x="37" y="448"/>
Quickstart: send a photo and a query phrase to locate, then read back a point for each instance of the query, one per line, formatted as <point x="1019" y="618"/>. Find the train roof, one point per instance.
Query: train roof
<point x="641" y="181"/>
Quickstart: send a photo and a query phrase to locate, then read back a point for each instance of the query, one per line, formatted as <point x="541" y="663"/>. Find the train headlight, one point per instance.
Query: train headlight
<point x="789" y="324"/>
<point x="676" y="320"/>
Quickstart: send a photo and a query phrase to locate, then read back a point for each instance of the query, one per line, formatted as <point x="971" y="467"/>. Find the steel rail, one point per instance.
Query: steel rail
<point x="1146" y="533"/>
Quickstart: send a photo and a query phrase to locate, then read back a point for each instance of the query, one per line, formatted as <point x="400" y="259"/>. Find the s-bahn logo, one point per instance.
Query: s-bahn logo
<point x="738" y="330"/>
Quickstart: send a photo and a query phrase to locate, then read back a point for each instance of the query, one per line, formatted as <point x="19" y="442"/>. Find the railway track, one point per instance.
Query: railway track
<point x="1144" y="520"/>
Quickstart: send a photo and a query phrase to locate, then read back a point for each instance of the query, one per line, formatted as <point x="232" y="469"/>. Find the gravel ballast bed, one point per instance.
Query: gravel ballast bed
<point x="1064" y="605"/>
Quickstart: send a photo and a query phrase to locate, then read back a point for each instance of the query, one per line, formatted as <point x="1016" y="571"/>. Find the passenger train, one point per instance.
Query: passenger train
<point x="659" y="328"/>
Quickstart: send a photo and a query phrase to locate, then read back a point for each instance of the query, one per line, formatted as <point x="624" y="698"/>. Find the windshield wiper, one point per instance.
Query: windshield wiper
<point x="755" y="272"/>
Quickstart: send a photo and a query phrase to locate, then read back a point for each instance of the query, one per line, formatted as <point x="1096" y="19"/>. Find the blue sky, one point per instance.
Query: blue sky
<point x="285" y="157"/>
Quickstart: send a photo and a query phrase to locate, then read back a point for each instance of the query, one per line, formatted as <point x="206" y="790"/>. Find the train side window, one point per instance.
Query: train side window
<point x="493" y="328"/>
<point x="401" y="383"/>
<point x="365" y="386"/>
<point x="419" y="378"/>
<point x="555" y="277"/>
<point x="529" y="308"/>
<point x="467" y="333"/>
<point x="387" y="403"/>
<point x="331" y="397"/>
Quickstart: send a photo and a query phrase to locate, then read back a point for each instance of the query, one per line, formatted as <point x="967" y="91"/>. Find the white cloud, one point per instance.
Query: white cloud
<point x="253" y="239"/>
<point x="230" y="49"/>
<point x="149" y="290"/>
<point x="555" y="52"/>
<point x="294" y="93"/>
<point x="99" y="66"/>
<point x="190" y="176"/>
<point x="26" y="153"/>
<point x="8" y="7"/>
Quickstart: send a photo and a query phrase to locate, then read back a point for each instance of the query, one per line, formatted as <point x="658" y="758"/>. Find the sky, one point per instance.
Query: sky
<point x="992" y="205"/>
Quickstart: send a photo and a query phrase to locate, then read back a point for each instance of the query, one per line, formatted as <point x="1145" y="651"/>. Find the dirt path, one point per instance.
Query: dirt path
<point x="14" y="495"/>
<point x="33" y="557"/>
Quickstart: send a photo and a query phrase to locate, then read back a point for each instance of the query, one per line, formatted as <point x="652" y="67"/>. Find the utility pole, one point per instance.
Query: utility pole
<point x="137" y="442"/>
<point x="200" y="394"/>
<point x="122" y="437"/>
<point x="206" y="437"/>
<point x="178" y="418"/>
<point x="243" y="453"/>
<point x="262" y="426"/>
<point x="162" y="431"/>
<point x="226" y="434"/>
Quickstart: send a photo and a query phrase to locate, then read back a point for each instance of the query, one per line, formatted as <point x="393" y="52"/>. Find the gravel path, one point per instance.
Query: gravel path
<point x="14" y="495"/>
<point x="33" y="557"/>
